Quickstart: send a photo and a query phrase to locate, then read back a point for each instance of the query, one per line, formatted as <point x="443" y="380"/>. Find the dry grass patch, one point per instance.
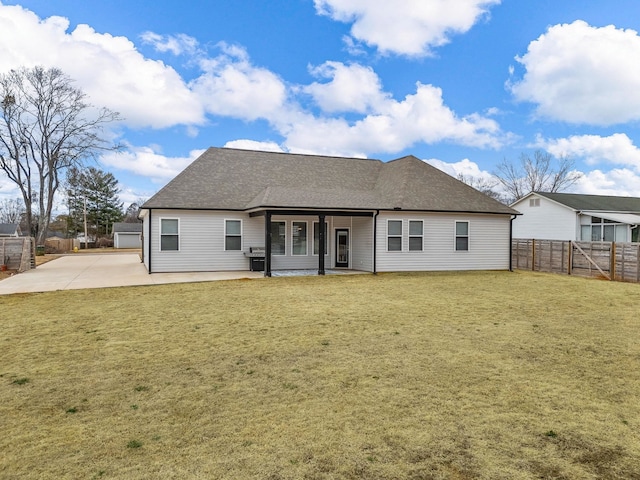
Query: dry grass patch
<point x="397" y="376"/>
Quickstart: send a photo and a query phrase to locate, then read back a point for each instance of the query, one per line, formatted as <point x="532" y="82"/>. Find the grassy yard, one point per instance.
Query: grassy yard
<point x="490" y="375"/>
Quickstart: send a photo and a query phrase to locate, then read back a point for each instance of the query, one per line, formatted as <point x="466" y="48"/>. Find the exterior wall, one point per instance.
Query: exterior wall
<point x="489" y="246"/>
<point x="145" y="239"/>
<point x="201" y="242"/>
<point x="126" y="240"/>
<point x="362" y="244"/>
<point x="549" y="221"/>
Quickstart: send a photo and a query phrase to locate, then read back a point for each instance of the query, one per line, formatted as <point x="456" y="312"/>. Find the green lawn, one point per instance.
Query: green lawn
<point x="490" y="375"/>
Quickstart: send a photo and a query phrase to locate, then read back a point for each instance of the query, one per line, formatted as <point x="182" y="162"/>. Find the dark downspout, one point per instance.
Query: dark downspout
<point x="375" y="241"/>
<point x="513" y="217"/>
<point x="267" y="244"/>
<point x="150" y="235"/>
<point x="321" y="235"/>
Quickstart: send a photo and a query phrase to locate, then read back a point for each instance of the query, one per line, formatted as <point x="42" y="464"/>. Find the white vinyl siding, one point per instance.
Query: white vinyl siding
<point x="362" y="244"/>
<point x="202" y="242"/>
<point x="547" y="221"/>
<point x="490" y="248"/>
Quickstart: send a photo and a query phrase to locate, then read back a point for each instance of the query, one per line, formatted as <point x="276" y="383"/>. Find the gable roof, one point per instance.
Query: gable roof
<point x="231" y="179"/>
<point x="8" y="228"/>
<point x="127" y="227"/>
<point x="602" y="203"/>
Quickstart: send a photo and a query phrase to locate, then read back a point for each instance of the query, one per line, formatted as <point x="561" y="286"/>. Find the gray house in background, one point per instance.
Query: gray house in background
<point x="9" y="230"/>
<point x="293" y="211"/>
<point x="127" y="235"/>
<point x="571" y="216"/>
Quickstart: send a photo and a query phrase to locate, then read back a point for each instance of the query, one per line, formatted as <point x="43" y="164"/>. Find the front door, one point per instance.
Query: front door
<point x="342" y="247"/>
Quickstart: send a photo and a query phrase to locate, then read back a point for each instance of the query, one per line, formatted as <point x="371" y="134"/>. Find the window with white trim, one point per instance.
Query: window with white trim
<point x="169" y="234"/>
<point x="534" y="202"/>
<point x="462" y="236"/>
<point x="394" y="235"/>
<point x="416" y="235"/>
<point x="298" y="238"/>
<point x="316" y="238"/>
<point x="278" y="238"/>
<point x="233" y="235"/>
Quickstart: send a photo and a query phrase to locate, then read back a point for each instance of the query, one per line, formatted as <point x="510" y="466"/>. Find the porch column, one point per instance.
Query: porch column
<point x="267" y="244"/>
<point x="321" y="237"/>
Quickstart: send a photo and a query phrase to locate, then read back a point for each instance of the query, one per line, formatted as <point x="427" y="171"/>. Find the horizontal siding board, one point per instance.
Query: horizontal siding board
<point x="489" y="247"/>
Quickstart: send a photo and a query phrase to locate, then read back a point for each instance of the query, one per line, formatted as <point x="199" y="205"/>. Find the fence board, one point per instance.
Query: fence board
<point x="620" y="261"/>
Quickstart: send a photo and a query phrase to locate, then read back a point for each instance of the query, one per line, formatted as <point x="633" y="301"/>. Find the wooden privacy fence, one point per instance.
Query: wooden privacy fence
<point x="17" y="253"/>
<point x="607" y="260"/>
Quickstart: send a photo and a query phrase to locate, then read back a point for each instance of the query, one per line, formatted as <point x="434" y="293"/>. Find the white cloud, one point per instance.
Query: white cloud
<point x="148" y="162"/>
<point x="353" y="88"/>
<point x="176" y="44"/>
<point x="619" y="182"/>
<point x="582" y="74"/>
<point x="109" y="69"/>
<point x="394" y="126"/>
<point x="243" y="144"/>
<point x="617" y="149"/>
<point x="464" y="167"/>
<point x="405" y="27"/>
<point x="232" y="86"/>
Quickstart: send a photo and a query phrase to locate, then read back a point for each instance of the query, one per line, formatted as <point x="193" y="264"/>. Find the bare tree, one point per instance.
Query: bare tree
<point x="537" y="174"/>
<point x="486" y="186"/>
<point x="46" y="127"/>
<point x="11" y="210"/>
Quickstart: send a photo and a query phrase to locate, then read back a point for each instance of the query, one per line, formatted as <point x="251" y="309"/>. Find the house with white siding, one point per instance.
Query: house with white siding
<point x="240" y="210"/>
<point x="570" y="216"/>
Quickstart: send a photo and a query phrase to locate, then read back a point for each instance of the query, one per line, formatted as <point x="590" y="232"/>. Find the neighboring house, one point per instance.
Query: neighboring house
<point x="568" y="216"/>
<point x="127" y="235"/>
<point x="310" y="211"/>
<point x="9" y="230"/>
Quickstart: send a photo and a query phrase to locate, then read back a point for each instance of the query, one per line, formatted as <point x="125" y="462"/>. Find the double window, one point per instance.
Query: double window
<point x="233" y="234"/>
<point x="395" y="235"/>
<point x="462" y="236"/>
<point x="169" y="234"/>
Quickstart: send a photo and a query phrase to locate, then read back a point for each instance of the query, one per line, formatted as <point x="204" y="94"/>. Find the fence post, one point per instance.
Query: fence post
<point x="570" y="258"/>
<point x="533" y="254"/>
<point x="613" y="260"/>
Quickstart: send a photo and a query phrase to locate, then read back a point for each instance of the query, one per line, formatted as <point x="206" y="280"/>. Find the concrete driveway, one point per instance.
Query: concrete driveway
<point x="77" y="271"/>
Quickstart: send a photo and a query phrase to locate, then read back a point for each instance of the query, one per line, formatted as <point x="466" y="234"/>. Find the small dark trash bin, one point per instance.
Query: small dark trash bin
<point x="40" y="250"/>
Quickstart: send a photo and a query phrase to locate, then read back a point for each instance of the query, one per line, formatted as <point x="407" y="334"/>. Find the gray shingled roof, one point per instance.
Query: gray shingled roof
<point x="604" y="203"/>
<point x="127" y="227"/>
<point x="230" y="179"/>
<point x="8" y="228"/>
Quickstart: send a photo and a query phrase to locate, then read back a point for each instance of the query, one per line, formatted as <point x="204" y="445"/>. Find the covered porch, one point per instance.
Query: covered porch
<point x="303" y="242"/>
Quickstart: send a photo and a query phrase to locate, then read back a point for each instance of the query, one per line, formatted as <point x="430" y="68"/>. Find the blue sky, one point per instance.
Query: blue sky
<point x="462" y="84"/>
